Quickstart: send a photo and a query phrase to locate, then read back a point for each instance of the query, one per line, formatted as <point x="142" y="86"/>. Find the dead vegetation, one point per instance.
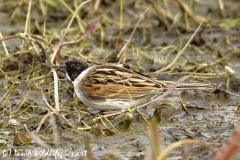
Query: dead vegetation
<point x="159" y="38"/>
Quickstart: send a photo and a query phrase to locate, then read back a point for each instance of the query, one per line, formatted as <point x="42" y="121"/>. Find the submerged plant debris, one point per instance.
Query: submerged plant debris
<point x="31" y="31"/>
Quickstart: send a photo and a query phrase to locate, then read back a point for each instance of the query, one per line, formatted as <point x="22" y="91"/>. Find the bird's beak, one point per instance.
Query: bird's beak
<point x="62" y="68"/>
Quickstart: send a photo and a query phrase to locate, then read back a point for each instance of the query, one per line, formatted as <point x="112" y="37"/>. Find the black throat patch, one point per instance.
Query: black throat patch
<point x="75" y="68"/>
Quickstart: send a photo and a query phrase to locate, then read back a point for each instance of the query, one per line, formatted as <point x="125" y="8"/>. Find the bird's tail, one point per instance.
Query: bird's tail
<point x="190" y="85"/>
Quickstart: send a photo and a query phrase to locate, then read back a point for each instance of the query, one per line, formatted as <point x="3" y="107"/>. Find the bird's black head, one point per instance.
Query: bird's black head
<point x="73" y="69"/>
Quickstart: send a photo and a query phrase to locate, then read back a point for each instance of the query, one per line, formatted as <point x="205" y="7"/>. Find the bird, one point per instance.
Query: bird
<point x="112" y="87"/>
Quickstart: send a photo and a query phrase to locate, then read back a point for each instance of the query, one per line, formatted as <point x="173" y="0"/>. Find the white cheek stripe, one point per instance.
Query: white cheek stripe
<point x="82" y="75"/>
<point x="68" y="77"/>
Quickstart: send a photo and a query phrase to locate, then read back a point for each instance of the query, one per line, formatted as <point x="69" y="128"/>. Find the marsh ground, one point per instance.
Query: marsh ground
<point x="213" y="114"/>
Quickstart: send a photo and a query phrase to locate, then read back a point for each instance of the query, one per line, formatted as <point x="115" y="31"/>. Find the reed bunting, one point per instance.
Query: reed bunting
<point x="110" y="87"/>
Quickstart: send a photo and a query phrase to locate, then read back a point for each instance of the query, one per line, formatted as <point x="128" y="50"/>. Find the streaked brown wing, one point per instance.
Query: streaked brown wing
<point x="114" y="91"/>
<point x="114" y="82"/>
